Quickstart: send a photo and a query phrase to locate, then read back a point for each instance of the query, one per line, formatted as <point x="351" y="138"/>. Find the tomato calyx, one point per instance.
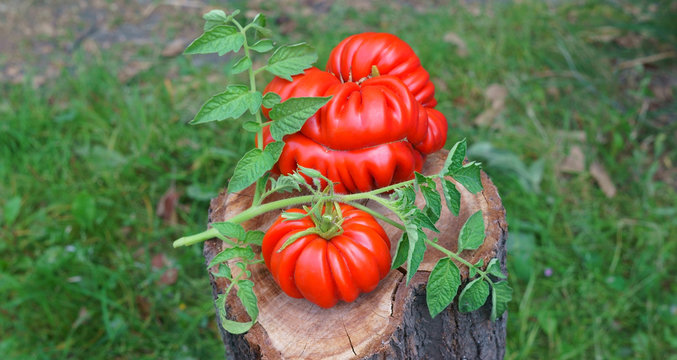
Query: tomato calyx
<point x="374" y="73"/>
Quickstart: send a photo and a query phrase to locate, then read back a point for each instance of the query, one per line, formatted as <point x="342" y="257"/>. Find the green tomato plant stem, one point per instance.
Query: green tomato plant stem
<point x="252" y="79"/>
<point x="456" y="257"/>
<point x="280" y="204"/>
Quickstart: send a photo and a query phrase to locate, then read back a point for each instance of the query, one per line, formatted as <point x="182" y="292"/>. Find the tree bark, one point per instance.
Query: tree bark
<point x="391" y="322"/>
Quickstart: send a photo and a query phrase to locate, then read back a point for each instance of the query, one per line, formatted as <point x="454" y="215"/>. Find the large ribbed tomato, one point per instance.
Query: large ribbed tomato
<point x="325" y="271"/>
<point x="376" y="129"/>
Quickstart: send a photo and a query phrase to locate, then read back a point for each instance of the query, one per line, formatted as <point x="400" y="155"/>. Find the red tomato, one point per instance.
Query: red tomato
<point x="353" y="58"/>
<point x="375" y="131"/>
<point x="325" y="271"/>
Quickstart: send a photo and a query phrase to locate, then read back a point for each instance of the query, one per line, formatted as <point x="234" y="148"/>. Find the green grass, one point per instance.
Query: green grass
<point x="89" y="158"/>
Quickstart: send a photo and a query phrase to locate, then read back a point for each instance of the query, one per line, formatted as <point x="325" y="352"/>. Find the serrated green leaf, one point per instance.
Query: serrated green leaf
<point x="229" y="230"/>
<point x="404" y="199"/>
<point x="254" y="237"/>
<point x="230" y="104"/>
<point x="454" y="160"/>
<point x="416" y="248"/>
<point x="262" y="46"/>
<point x="433" y="202"/>
<point x="215" y="15"/>
<point x="442" y="286"/>
<point x="472" y="271"/>
<point x="500" y="297"/>
<point x="241" y="65"/>
<point x="245" y="291"/>
<point x="254" y="165"/>
<point x="251" y="126"/>
<point x="451" y="196"/>
<point x="11" y="210"/>
<point x="419" y="179"/>
<point x="401" y="253"/>
<point x="290" y="115"/>
<point x="472" y="232"/>
<point x="220" y="39"/>
<point x="215" y="18"/>
<point x="223" y="271"/>
<point x="244" y="252"/>
<point x="286" y="184"/>
<point x="420" y="219"/>
<point x="255" y="102"/>
<point x="271" y="99"/>
<point x="259" y="20"/>
<point x="473" y="296"/>
<point x="469" y="176"/>
<point x="494" y="268"/>
<point x="289" y="60"/>
<point x="233" y="327"/>
<point x="262" y="32"/>
<point x="310" y="172"/>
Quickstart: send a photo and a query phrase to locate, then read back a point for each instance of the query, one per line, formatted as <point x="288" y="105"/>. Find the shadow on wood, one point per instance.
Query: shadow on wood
<point x="390" y="322"/>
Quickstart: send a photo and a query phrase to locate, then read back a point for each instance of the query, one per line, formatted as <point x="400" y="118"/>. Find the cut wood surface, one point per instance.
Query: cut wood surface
<point x="390" y="322"/>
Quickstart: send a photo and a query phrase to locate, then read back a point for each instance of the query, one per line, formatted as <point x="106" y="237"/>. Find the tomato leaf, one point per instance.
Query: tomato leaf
<point x="259" y="20"/>
<point x="442" y="286"/>
<point x="455" y="158"/>
<point x="421" y="219"/>
<point x="245" y="291"/>
<point x="215" y="18"/>
<point x="401" y="253"/>
<point x="251" y="126"/>
<point x="233" y="327"/>
<point x="473" y="296"/>
<point x="254" y="237"/>
<point x="230" y="230"/>
<point x="433" y="202"/>
<point x="223" y="271"/>
<point x="404" y="199"/>
<point x="291" y="60"/>
<point x="254" y="165"/>
<point x="451" y="196"/>
<point x="500" y="297"/>
<point x="416" y="248"/>
<point x="469" y="177"/>
<point x="241" y="65"/>
<point x="290" y="115"/>
<point x="219" y="39"/>
<point x="286" y="183"/>
<point x="262" y="46"/>
<point x="271" y="99"/>
<point x="472" y="270"/>
<point x="244" y="252"/>
<point x="230" y="104"/>
<point x="494" y="268"/>
<point x="472" y="232"/>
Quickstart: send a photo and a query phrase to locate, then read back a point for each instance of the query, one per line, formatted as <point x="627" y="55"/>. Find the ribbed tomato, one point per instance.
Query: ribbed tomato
<point x="377" y="128"/>
<point x="325" y="271"/>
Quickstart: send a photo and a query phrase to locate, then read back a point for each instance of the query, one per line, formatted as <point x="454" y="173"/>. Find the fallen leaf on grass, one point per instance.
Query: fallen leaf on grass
<point x="497" y="94"/>
<point x="144" y="306"/>
<point x="175" y="47"/>
<point x="461" y="47"/>
<point x="600" y="175"/>
<point x="132" y="69"/>
<point x="83" y="316"/>
<point x="169" y="276"/>
<point x="166" y="207"/>
<point x="574" y="162"/>
<point x="159" y="261"/>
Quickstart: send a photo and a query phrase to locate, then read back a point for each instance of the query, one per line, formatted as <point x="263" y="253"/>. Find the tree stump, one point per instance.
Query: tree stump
<point x="391" y="322"/>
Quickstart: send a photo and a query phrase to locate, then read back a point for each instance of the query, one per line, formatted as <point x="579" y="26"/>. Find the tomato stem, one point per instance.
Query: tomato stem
<point x="456" y="257"/>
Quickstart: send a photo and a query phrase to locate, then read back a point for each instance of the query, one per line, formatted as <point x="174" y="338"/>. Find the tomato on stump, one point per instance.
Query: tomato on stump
<point x="323" y="269"/>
